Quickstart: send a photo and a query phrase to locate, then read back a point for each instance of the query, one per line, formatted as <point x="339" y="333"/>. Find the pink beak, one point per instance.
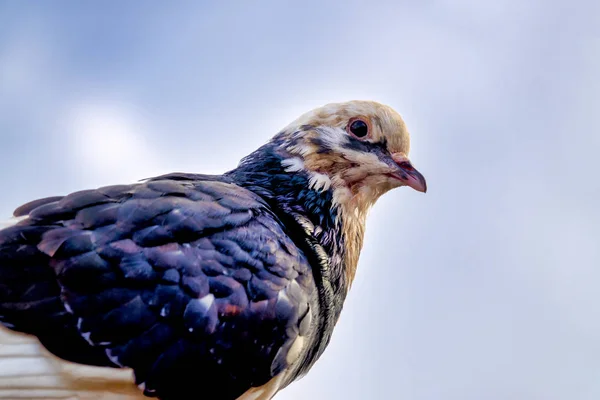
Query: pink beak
<point x="407" y="174"/>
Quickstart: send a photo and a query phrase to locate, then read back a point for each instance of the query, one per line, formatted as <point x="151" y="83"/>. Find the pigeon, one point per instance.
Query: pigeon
<point x="197" y="286"/>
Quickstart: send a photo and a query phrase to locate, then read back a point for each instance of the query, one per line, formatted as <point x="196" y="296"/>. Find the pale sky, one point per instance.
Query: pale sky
<point x="487" y="287"/>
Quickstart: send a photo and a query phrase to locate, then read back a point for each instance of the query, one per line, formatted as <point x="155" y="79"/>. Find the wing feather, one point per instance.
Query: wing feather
<point x="184" y="281"/>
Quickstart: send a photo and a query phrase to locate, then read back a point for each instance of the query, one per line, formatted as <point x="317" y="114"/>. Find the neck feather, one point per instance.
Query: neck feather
<point x="335" y="230"/>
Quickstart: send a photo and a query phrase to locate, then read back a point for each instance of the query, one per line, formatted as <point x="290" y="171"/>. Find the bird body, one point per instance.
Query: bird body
<point x="198" y="286"/>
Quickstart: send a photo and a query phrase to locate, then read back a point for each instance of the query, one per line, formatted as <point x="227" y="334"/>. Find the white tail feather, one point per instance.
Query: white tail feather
<point x="29" y="371"/>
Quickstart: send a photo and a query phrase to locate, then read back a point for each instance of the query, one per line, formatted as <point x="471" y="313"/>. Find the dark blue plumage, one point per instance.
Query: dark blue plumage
<point x="185" y="279"/>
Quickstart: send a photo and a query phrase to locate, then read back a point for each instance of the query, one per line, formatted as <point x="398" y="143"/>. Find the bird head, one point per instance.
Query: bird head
<point x="357" y="149"/>
<point x="328" y="167"/>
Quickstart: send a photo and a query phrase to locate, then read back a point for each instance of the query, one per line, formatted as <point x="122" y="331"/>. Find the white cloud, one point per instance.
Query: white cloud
<point x="108" y="143"/>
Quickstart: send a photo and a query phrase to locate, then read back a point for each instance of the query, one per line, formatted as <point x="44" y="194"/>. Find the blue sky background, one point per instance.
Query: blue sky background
<point x="487" y="287"/>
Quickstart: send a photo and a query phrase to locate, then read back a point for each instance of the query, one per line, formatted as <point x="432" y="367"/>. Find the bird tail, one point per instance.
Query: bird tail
<point x="29" y="371"/>
<point x="33" y="334"/>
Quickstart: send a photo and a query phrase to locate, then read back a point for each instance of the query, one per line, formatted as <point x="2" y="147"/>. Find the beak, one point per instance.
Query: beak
<point x="407" y="174"/>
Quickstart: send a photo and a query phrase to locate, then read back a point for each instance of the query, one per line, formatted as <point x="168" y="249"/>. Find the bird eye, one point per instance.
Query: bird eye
<point x="358" y="128"/>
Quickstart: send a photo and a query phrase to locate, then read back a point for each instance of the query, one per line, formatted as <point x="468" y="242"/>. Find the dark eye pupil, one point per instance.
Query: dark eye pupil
<point x="359" y="128"/>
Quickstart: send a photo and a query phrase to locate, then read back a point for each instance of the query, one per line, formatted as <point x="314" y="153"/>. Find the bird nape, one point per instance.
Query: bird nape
<point x="198" y="286"/>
